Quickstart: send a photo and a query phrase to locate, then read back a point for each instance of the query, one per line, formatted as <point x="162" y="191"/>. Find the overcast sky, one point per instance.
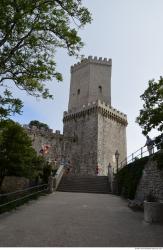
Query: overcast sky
<point x="131" y="33"/>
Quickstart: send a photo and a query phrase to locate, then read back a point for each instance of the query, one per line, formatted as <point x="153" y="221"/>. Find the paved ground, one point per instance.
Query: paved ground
<point x="73" y="219"/>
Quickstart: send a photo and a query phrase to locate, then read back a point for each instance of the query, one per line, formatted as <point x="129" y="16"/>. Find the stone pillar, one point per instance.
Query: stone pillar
<point x="110" y="176"/>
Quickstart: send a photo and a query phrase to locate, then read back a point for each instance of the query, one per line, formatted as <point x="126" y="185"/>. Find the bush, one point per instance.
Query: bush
<point x="17" y="157"/>
<point x="47" y="170"/>
<point x="159" y="158"/>
<point x="128" y="178"/>
<point x="159" y="141"/>
<point x="38" y="124"/>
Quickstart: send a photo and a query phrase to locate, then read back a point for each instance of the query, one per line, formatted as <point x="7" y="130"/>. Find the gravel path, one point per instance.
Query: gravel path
<point x="78" y="220"/>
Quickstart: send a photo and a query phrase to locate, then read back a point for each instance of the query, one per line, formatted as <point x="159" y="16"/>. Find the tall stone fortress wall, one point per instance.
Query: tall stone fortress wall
<point x="111" y="137"/>
<point x="98" y="129"/>
<point x="81" y="153"/>
<point x="41" y="137"/>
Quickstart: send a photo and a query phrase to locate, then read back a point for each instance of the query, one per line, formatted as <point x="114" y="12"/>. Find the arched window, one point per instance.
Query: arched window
<point x="78" y="91"/>
<point x="100" y="89"/>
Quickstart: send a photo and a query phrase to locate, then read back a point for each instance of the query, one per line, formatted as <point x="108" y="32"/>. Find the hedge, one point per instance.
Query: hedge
<point x="128" y="177"/>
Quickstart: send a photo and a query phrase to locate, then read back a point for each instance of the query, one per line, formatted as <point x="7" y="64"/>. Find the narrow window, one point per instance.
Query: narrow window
<point x="100" y="89"/>
<point x="78" y="91"/>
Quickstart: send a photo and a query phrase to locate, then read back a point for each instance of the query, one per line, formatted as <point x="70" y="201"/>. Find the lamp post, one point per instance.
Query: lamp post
<point x="117" y="157"/>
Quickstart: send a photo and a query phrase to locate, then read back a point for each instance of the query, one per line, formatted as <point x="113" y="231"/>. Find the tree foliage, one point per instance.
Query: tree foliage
<point x="30" y="33"/>
<point x="151" y="116"/>
<point x="9" y="105"/>
<point x="38" y="124"/>
<point x="17" y="157"/>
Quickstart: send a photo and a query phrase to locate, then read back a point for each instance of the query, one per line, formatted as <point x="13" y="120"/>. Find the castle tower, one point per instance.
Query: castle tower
<point x="90" y="81"/>
<point x="93" y="130"/>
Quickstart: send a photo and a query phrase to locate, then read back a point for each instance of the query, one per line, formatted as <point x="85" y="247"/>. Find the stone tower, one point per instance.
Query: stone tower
<point x="93" y="129"/>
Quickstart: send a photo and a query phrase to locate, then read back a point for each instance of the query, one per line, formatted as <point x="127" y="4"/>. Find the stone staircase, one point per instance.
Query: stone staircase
<point x="84" y="184"/>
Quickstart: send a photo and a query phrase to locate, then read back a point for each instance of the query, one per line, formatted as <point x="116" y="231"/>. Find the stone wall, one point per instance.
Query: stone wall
<point x="111" y="137"/>
<point x="82" y="151"/>
<point x="151" y="182"/>
<point x="13" y="183"/>
<point x="42" y="137"/>
<point x="99" y="131"/>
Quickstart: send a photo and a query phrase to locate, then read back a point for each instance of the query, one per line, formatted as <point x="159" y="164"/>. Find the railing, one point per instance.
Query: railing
<point x="140" y="153"/>
<point x="20" y="195"/>
<point x="58" y="176"/>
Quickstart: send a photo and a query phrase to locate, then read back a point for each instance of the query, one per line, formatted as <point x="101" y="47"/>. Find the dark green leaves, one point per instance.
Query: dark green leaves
<point x="9" y="105"/>
<point x="30" y="33"/>
<point x="16" y="152"/>
<point x="38" y="124"/>
<point x="151" y="116"/>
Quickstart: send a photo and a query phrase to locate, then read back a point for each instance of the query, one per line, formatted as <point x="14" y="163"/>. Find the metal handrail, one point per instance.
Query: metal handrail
<point x="26" y="196"/>
<point x="58" y="176"/>
<point x="134" y="155"/>
<point x="18" y="191"/>
<point x="5" y="204"/>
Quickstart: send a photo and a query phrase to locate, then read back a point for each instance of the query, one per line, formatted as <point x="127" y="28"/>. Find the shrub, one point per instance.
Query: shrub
<point x="129" y="177"/>
<point x="17" y="157"/>
<point x="159" y="158"/>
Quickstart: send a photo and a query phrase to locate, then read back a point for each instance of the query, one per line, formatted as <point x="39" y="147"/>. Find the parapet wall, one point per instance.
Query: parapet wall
<point x="42" y="137"/>
<point x="42" y="131"/>
<point x="98" y="106"/>
<point x="90" y="59"/>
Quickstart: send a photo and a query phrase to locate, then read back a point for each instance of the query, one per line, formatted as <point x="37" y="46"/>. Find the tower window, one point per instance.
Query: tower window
<point x="100" y="89"/>
<point x="78" y="91"/>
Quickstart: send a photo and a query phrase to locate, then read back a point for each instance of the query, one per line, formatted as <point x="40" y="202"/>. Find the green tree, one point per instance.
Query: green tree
<point x="17" y="157"/>
<point x="38" y="124"/>
<point x="151" y="116"/>
<point x="9" y="105"/>
<point x="47" y="171"/>
<point x="30" y="33"/>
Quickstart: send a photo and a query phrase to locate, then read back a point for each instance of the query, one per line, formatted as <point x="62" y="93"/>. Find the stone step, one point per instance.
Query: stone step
<point x="85" y="184"/>
<point x="84" y="191"/>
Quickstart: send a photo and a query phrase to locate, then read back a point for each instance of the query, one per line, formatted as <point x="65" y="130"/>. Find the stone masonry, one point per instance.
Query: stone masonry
<point x="97" y="128"/>
<point x="41" y="137"/>
<point x="13" y="183"/>
<point x="90" y="81"/>
<point x="151" y="182"/>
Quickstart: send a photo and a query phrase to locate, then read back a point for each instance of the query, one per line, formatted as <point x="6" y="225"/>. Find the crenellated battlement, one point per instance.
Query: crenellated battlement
<point x="111" y="109"/>
<point x="41" y="131"/>
<point x="98" y="106"/>
<point x="91" y="59"/>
